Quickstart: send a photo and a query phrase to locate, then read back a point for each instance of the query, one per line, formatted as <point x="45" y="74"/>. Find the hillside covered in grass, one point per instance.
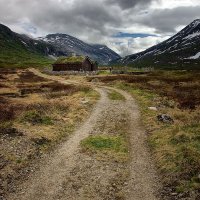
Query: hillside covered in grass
<point x="21" y="51"/>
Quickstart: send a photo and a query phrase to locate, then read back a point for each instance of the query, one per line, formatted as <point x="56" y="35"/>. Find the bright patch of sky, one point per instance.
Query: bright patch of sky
<point x="170" y="4"/>
<point x="132" y="35"/>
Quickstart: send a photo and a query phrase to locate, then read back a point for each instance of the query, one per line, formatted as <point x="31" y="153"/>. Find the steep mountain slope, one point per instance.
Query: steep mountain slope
<point x="67" y="44"/>
<point x="180" y="51"/>
<point x="20" y="50"/>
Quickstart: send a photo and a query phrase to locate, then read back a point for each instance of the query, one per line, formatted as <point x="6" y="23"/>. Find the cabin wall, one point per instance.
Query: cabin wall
<point x="87" y="66"/>
<point x="67" y="67"/>
<point x="95" y="67"/>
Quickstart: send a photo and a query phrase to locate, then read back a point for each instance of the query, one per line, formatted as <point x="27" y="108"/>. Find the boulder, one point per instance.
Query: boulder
<point x="165" y="118"/>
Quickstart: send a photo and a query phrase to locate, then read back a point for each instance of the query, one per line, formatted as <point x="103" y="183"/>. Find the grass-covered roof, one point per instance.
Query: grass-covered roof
<point x="70" y="59"/>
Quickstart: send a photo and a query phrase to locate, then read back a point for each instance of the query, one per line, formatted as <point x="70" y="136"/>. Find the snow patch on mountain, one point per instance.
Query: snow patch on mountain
<point x="195" y="56"/>
<point x="24" y="43"/>
<point x="195" y="23"/>
<point x="192" y="35"/>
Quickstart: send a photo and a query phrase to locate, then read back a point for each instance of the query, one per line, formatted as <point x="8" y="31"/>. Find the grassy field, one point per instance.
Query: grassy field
<point x="36" y="114"/>
<point x="23" y="59"/>
<point x="175" y="146"/>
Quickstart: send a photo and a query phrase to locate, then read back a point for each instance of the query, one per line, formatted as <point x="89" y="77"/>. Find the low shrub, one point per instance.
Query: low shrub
<point x="30" y="77"/>
<point x="7" y="112"/>
<point x="34" y="117"/>
<point x="6" y="128"/>
<point x="41" y="141"/>
<point x="181" y="86"/>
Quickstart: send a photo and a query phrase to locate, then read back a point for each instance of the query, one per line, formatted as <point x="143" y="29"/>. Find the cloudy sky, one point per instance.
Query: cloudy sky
<point x="126" y="26"/>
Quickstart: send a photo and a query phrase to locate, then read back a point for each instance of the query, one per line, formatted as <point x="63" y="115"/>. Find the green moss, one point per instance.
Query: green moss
<point x="106" y="147"/>
<point x="105" y="143"/>
<point x="104" y="72"/>
<point x="70" y="59"/>
<point x="113" y="95"/>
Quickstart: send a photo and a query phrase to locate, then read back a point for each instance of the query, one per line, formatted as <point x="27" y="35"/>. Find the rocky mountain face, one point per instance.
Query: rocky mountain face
<point x="68" y="44"/>
<point x="180" y="51"/>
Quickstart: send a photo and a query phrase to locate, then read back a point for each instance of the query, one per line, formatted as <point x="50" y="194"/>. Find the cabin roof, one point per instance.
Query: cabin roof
<point x="70" y="59"/>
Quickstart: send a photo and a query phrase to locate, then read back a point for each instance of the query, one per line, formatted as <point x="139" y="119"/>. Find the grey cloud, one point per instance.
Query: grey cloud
<point x="167" y="20"/>
<point x="127" y="4"/>
<point x="78" y="18"/>
<point x="94" y="21"/>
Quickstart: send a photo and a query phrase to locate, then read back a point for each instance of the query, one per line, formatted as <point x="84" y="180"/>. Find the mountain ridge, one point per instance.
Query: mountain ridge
<point x="179" y="51"/>
<point x="21" y="50"/>
<point x="67" y="44"/>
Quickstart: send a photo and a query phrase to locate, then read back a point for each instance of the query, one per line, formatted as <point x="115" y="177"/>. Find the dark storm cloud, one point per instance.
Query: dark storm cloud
<point x="91" y="17"/>
<point x="167" y="20"/>
<point x="127" y="4"/>
<point x="50" y="15"/>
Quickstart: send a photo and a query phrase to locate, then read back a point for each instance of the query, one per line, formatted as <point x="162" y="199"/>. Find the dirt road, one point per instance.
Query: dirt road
<point x="73" y="174"/>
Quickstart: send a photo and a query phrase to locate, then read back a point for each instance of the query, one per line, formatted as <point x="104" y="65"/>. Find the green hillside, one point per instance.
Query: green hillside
<point x="20" y="51"/>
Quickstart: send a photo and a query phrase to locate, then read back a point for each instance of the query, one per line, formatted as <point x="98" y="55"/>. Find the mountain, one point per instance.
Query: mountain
<point x="182" y="51"/>
<point x="21" y="50"/>
<point x="68" y="44"/>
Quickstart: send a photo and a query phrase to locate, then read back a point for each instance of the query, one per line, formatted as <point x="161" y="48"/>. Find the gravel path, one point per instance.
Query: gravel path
<point x="144" y="182"/>
<point x="72" y="174"/>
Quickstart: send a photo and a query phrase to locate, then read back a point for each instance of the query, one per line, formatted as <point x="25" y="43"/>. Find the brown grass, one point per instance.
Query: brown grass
<point x="181" y="86"/>
<point x="1" y="77"/>
<point x="3" y="85"/>
<point x="40" y="115"/>
<point x="30" y="77"/>
<point x="176" y="147"/>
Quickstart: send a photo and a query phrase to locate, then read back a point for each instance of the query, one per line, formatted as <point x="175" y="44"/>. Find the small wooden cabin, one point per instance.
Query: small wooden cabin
<point x="75" y="63"/>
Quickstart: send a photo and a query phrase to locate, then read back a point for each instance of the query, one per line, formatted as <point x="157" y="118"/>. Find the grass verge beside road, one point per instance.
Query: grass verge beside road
<point x="175" y="146"/>
<point x="36" y="114"/>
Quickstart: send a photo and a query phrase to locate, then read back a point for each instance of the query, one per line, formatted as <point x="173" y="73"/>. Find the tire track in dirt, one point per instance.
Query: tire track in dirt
<point x="144" y="183"/>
